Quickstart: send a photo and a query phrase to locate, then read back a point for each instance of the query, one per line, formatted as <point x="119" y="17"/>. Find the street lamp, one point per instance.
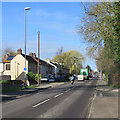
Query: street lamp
<point x="27" y="8"/>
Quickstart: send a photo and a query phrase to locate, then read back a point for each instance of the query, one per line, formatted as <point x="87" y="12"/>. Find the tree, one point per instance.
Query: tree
<point x="116" y="31"/>
<point x="101" y="30"/>
<point x="96" y="27"/>
<point x="59" y="51"/>
<point x="71" y="59"/>
<point x="89" y="68"/>
<point x="8" y="51"/>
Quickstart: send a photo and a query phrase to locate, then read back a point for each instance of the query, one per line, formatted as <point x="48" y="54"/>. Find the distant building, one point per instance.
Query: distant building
<point x="57" y="66"/>
<point x="56" y="69"/>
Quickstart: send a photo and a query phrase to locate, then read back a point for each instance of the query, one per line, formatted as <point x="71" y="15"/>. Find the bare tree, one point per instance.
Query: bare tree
<point x="8" y="51"/>
<point x="59" y="51"/>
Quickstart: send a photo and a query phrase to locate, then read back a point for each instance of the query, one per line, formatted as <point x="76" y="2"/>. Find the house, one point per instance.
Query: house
<point x="5" y="68"/>
<point x="45" y="67"/>
<point x="13" y="66"/>
<point x="18" y="65"/>
<point x="1" y="68"/>
<point x="64" y="71"/>
<point x="7" y="64"/>
<point x="55" y="70"/>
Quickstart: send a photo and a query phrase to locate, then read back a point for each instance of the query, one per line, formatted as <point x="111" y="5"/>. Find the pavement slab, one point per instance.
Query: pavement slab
<point x="105" y="102"/>
<point x="105" y="107"/>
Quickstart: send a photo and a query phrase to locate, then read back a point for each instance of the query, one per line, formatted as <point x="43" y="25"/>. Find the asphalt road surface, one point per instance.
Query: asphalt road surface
<point x="64" y="101"/>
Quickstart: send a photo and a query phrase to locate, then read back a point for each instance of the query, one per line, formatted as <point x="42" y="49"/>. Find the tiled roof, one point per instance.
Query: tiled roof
<point x="8" y="59"/>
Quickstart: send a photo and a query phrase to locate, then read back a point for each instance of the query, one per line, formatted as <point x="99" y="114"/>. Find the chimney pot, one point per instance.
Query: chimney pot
<point x="34" y="55"/>
<point x="31" y="54"/>
<point x="19" y="51"/>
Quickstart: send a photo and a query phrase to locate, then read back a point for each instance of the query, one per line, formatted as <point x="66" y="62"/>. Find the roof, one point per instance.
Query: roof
<point x="43" y="62"/>
<point x="35" y="60"/>
<point x="29" y="58"/>
<point x="8" y="59"/>
<point x="54" y="64"/>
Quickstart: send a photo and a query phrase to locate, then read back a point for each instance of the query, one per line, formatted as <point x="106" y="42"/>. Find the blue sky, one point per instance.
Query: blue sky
<point x="56" y="21"/>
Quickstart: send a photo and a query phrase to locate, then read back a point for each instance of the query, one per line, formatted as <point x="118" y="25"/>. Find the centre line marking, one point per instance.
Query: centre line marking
<point x="41" y="103"/>
<point x="58" y="95"/>
<point x="67" y="90"/>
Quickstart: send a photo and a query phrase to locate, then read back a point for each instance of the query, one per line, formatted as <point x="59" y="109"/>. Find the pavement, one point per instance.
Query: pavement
<point x="28" y="91"/>
<point x="105" y="102"/>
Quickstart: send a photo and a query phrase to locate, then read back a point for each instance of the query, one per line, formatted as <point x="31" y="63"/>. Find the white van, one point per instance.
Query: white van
<point x="80" y="77"/>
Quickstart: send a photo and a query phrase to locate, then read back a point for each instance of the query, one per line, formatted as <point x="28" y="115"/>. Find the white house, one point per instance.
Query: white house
<point x="18" y="64"/>
<point x="56" y="69"/>
<point x="1" y="68"/>
<point x="7" y="65"/>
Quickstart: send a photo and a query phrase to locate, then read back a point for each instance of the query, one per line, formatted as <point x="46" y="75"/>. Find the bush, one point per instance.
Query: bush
<point x="36" y="76"/>
<point x="3" y="81"/>
<point x="33" y="76"/>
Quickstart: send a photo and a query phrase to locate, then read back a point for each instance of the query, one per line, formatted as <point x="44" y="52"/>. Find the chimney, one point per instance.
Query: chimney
<point x="34" y="55"/>
<point x="31" y="54"/>
<point x="19" y="51"/>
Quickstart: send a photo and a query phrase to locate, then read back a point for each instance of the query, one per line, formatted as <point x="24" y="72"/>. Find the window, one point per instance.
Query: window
<point x="7" y="66"/>
<point x="84" y="73"/>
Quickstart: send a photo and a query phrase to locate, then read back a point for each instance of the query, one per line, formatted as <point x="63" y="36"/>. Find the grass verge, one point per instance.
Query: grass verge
<point x="114" y="86"/>
<point x="14" y="89"/>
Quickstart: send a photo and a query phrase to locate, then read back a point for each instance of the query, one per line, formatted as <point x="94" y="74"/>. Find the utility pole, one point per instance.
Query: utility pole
<point x="38" y="60"/>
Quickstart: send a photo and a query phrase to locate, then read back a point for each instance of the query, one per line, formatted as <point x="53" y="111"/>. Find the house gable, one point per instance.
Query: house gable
<point x="17" y="66"/>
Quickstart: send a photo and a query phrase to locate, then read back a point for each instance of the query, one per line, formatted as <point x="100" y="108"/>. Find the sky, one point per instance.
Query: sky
<point x="56" y="21"/>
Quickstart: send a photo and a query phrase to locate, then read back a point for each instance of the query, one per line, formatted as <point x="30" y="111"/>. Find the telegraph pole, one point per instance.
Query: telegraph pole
<point x="38" y="60"/>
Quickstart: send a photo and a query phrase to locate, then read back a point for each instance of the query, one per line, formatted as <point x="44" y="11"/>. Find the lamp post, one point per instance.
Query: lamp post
<point x="15" y="70"/>
<point x="27" y="8"/>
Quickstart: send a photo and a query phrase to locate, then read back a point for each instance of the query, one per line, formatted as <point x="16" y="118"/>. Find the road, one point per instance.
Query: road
<point x="65" y="101"/>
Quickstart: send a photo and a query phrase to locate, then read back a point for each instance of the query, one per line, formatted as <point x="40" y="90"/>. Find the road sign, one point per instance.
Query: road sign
<point x="25" y="69"/>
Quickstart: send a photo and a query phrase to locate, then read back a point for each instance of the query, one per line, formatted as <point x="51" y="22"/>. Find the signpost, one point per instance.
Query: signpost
<point x="25" y="69"/>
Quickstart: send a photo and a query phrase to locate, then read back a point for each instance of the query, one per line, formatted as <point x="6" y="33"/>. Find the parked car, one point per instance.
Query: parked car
<point x="50" y="78"/>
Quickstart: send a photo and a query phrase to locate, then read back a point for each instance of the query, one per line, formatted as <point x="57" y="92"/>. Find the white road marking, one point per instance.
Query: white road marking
<point x="58" y="95"/>
<point x="67" y="90"/>
<point x="41" y="103"/>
